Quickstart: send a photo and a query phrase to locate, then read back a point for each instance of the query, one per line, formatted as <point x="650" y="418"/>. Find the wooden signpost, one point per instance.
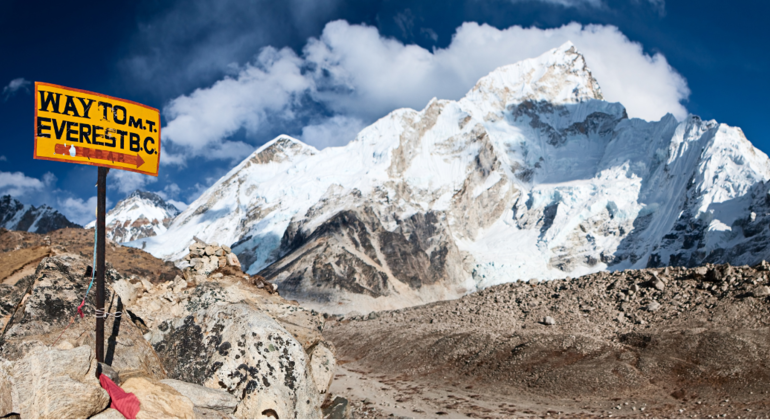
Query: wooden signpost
<point x="77" y="126"/>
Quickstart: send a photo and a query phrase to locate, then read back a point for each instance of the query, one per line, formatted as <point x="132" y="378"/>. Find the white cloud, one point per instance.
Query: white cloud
<point x="358" y="75"/>
<point x="127" y="182"/>
<point x="78" y="210"/>
<point x="18" y="185"/>
<point x="3" y="158"/>
<point x="335" y="131"/>
<point x="658" y="5"/>
<point x="200" y="122"/>
<point x="15" y="86"/>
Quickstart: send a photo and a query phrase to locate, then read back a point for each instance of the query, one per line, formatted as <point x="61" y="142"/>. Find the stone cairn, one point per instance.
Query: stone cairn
<point x="205" y="258"/>
<point x="214" y="260"/>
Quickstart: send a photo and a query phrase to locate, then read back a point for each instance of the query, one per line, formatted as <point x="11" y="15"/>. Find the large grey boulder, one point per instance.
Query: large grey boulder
<point x="239" y="349"/>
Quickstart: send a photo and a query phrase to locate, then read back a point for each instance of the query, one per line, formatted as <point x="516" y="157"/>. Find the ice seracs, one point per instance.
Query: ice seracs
<point x="530" y="175"/>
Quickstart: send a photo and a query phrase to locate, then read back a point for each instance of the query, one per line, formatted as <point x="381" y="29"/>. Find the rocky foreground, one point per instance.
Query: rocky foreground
<point x="673" y="342"/>
<point x="211" y="343"/>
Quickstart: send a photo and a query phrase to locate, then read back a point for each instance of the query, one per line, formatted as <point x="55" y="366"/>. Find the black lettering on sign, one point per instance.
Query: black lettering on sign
<point x="72" y="134"/>
<point x="97" y="135"/>
<point x="51" y="99"/>
<point x="41" y="127"/>
<point x="59" y="129"/>
<point x="133" y="142"/>
<point x="105" y="106"/>
<point x="69" y="106"/>
<point x="115" y="110"/>
<point x="151" y="140"/>
<point x="135" y="123"/>
<point x="85" y="133"/>
<point x="122" y="135"/>
<point x="108" y="136"/>
<point x="86" y="106"/>
<point x="151" y="126"/>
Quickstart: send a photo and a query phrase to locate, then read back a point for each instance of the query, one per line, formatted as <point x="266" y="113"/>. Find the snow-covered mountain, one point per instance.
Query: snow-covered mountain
<point x="530" y="175"/>
<point x="17" y="216"/>
<point x="140" y="215"/>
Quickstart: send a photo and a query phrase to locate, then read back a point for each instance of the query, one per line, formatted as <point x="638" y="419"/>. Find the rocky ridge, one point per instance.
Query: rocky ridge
<point x="140" y="215"/>
<point x="197" y="346"/>
<point x="17" y="216"/>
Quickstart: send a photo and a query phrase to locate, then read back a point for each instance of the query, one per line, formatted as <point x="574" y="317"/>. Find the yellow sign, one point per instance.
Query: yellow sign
<point x="77" y="126"/>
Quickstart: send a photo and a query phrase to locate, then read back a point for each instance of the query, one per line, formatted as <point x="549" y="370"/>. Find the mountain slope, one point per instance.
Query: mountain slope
<point x="530" y="175"/>
<point x="140" y="215"/>
<point x="17" y="216"/>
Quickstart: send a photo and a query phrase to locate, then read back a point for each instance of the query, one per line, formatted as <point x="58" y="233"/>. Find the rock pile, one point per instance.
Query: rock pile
<point x="216" y="346"/>
<point x="669" y="337"/>
<point x="205" y="258"/>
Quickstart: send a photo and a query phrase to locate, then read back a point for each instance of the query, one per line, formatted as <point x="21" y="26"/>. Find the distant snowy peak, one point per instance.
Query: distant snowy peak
<point x="559" y="76"/>
<point x="17" y="216"/>
<point x="140" y="215"/>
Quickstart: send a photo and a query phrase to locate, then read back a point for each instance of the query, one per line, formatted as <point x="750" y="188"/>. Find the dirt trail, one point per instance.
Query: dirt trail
<point x="675" y="343"/>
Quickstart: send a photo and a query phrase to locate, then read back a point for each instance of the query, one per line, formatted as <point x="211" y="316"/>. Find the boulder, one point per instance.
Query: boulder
<point x="322" y="365"/>
<point x="45" y="314"/>
<point x="653" y="306"/>
<point x="210" y="250"/>
<point x="232" y="260"/>
<point x="761" y="291"/>
<point x="337" y="409"/>
<point x="243" y="351"/>
<point x="202" y="397"/>
<point x="227" y="249"/>
<point x="158" y="400"/>
<point x="548" y="321"/>
<point x="109" y="413"/>
<point x="52" y="383"/>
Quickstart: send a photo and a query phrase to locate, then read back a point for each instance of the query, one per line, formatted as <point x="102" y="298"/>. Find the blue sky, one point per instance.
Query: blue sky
<point x="229" y="75"/>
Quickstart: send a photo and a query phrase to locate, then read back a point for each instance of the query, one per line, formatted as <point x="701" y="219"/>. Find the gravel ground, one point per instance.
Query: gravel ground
<point x="673" y="342"/>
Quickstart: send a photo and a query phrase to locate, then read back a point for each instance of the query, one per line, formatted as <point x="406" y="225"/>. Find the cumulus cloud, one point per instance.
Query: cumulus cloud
<point x="128" y="182"/>
<point x="14" y="86"/>
<point x="335" y="131"/>
<point x="78" y="210"/>
<point x="18" y="185"/>
<point x="200" y="122"/>
<point x="357" y="76"/>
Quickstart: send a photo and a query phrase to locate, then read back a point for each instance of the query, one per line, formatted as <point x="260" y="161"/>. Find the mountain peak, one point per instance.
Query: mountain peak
<point x="282" y="148"/>
<point x="559" y="76"/>
<point x="140" y="215"/>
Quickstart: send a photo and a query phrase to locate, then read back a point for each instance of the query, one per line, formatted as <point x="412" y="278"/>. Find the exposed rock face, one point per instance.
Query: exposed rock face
<point x="530" y="175"/>
<point x="213" y="399"/>
<point x="229" y="332"/>
<point x="158" y="400"/>
<point x="17" y="216"/>
<point x="140" y="215"/>
<point x="51" y="383"/>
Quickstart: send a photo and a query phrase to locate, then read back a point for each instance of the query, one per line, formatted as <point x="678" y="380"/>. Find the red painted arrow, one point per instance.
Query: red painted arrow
<point x="85" y="152"/>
